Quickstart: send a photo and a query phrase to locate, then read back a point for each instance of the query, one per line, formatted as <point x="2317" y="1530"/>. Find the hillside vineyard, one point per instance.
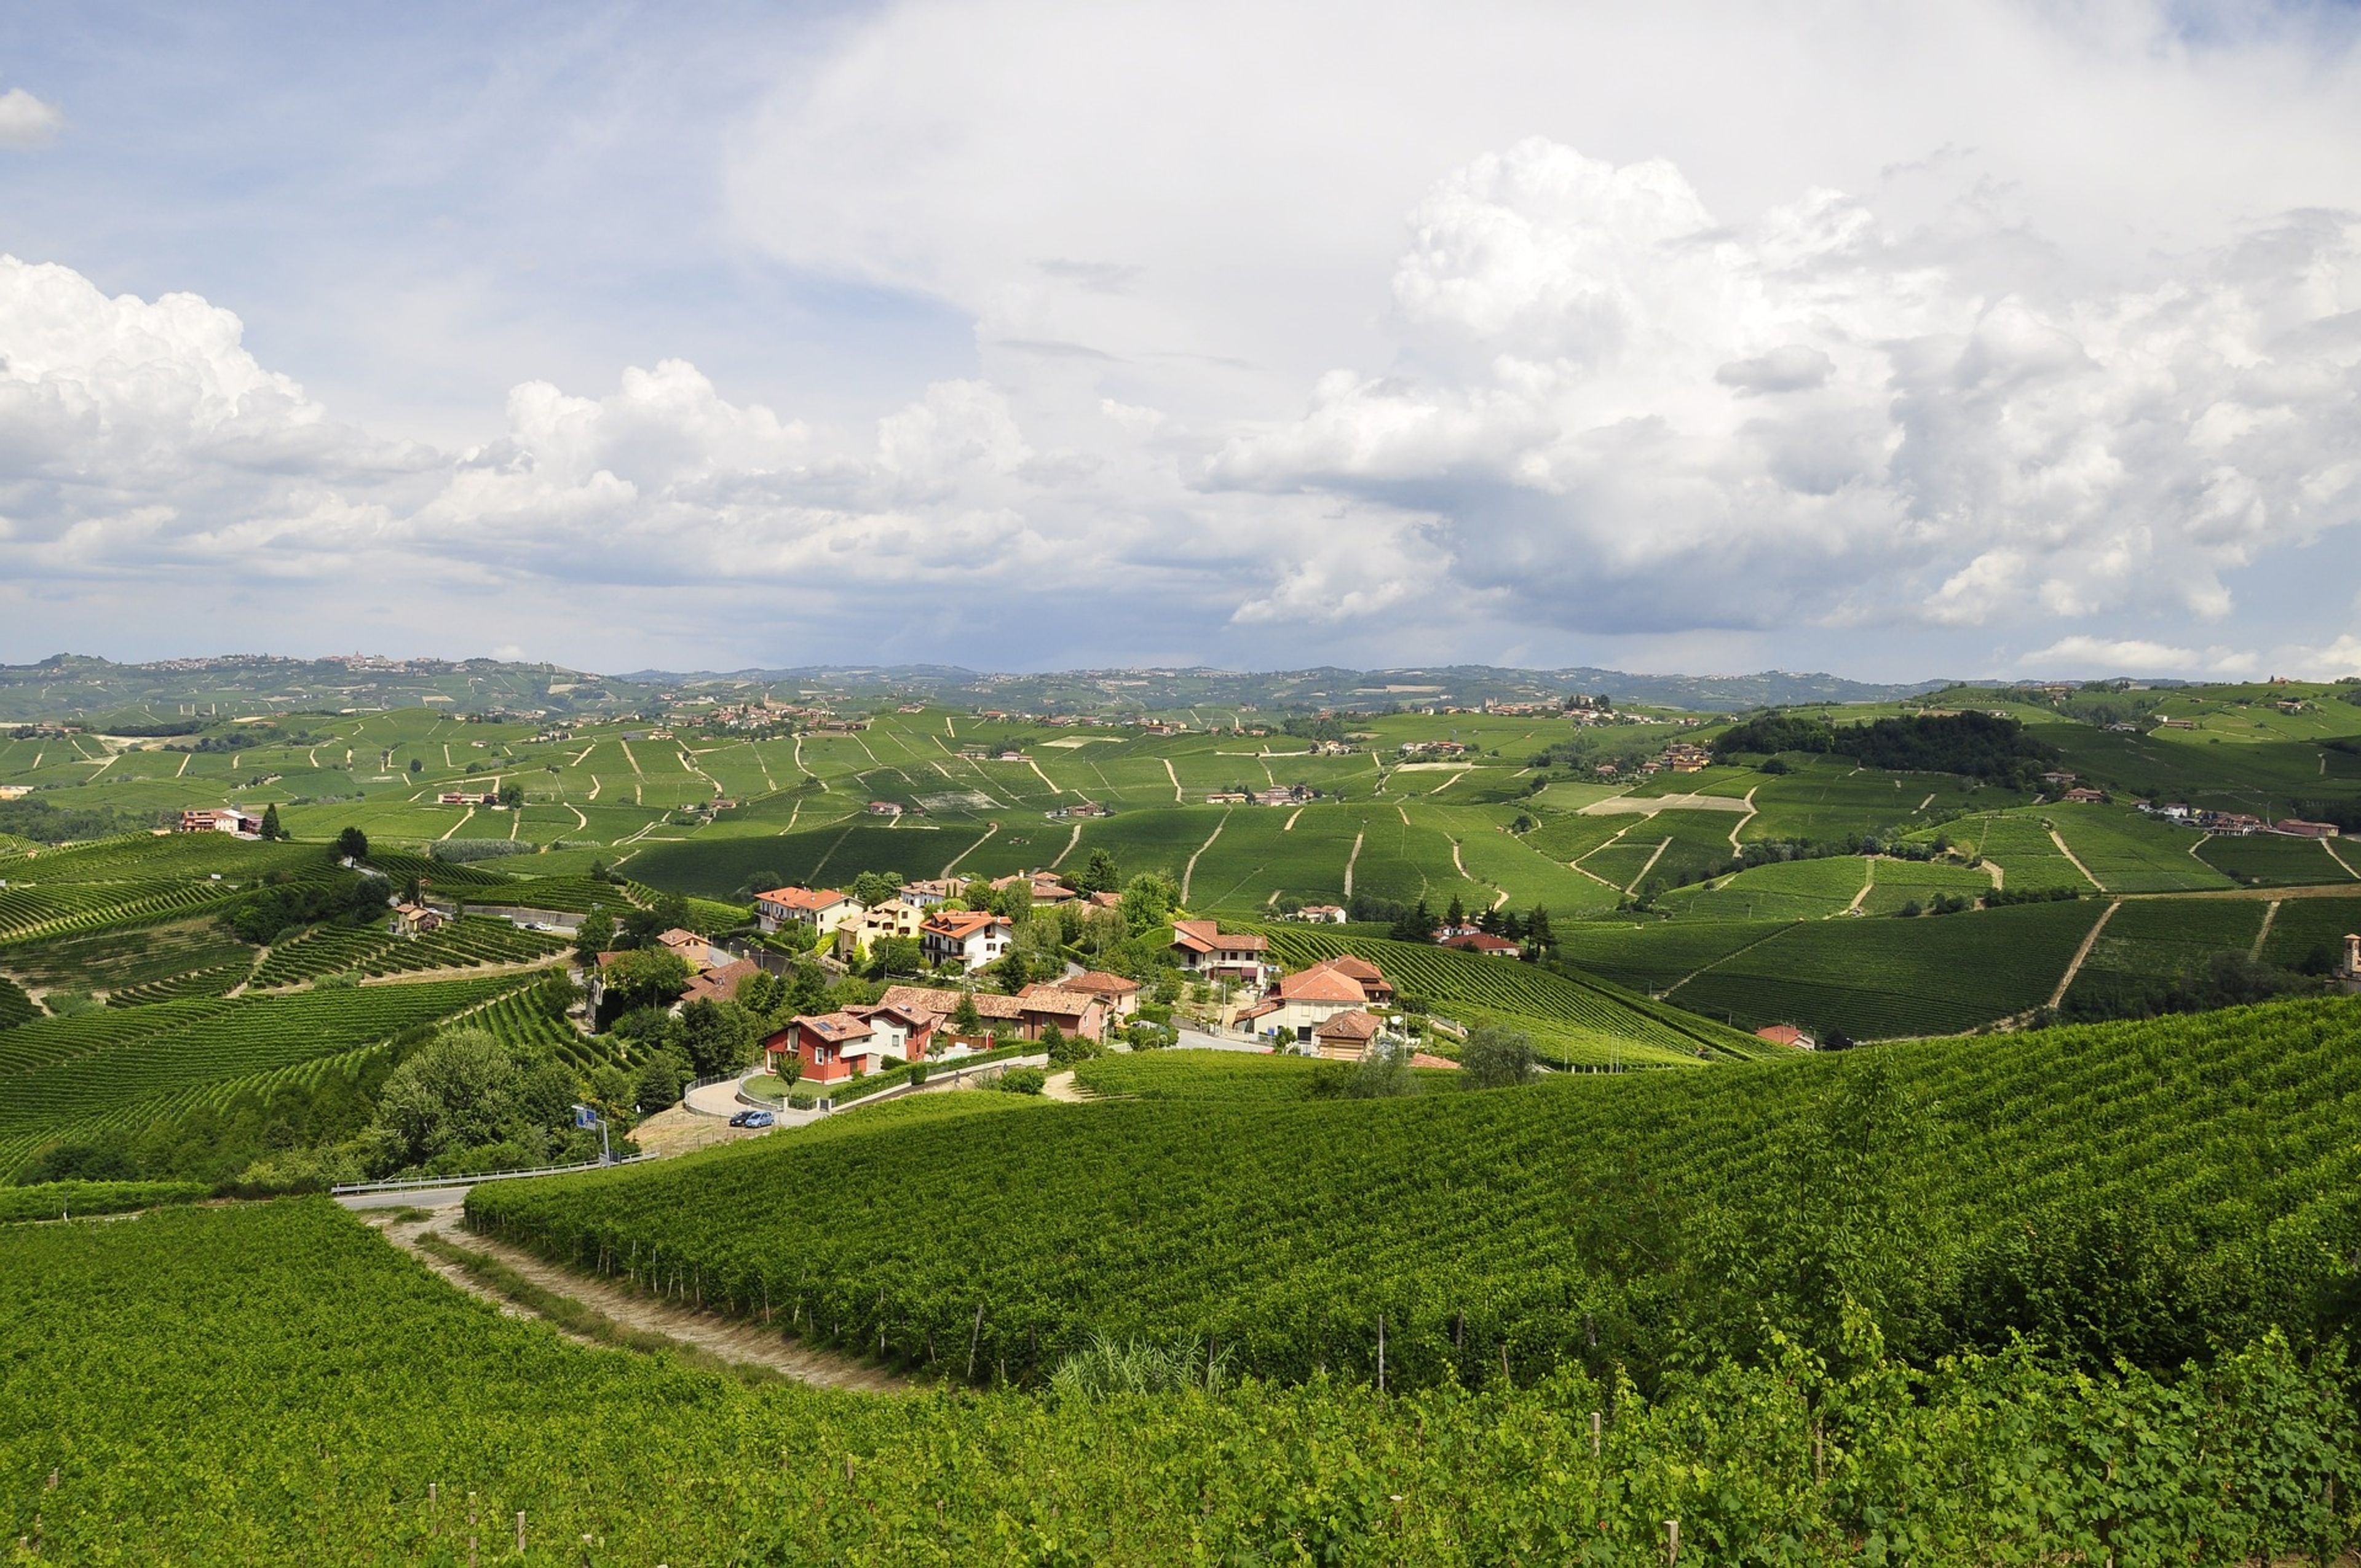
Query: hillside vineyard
<point x="2133" y="1191"/>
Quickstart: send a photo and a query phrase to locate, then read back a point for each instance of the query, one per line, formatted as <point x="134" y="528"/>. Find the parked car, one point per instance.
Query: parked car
<point x="745" y="1118"/>
<point x="761" y="1119"/>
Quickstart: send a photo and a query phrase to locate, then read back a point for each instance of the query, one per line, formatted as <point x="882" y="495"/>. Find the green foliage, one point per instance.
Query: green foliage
<point x="353" y="842"/>
<point x="60" y="1199"/>
<point x="1497" y="1059"/>
<point x="1021" y="1080"/>
<point x="250" y="1452"/>
<point x="1973" y="745"/>
<point x="644" y="977"/>
<point x="1710" y="1208"/>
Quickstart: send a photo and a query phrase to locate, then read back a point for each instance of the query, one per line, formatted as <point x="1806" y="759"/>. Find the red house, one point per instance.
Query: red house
<point x="851" y="1042"/>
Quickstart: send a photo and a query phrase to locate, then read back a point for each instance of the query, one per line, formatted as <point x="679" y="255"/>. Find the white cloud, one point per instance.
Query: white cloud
<point x="26" y="122"/>
<point x="2132" y="656"/>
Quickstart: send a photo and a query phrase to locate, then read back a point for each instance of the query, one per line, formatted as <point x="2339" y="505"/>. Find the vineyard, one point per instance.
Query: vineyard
<point x="246" y="1330"/>
<point x="1879" y="980"/>
<point x="1573" y="1019"/>
<point x="372" y="951"/>
<point x="2265" y="860"/>
<point x="1594" y="1219"/>
<point x="126" y="1066"/>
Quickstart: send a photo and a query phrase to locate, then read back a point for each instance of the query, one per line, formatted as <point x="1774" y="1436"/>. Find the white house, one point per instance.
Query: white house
<point x="823" y="907"/>
<point x="969" y="936"/>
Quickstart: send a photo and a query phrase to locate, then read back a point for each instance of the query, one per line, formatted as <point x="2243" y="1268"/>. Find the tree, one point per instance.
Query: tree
<point x="1457" y="915"/>
<point x="1537" y="927"/>
<point x="594" y="936"/>
<point x="1013" y="902"/>
<point x="1014" y="972"/>
<point x="1496" y="1058"/>
<point x="417" y="767"/>
<point x="353" y="843"/>
<point x="965" y="1017"/>
<point x="894" y="955"/>
<point x="718" y="1037"/>
<point x="462" y="1092"/>
<point x="270" y="828"/>
<point x="657" y="1087"/>
<point x="1098" y="874"/>
<point x="873" y="888"/>
<point x="645" y="977"/>
<point x="511" y="794"/>
<point x="1149" y="901"/>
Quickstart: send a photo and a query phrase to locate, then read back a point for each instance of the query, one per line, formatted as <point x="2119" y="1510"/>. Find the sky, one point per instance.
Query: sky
<point x="1955" y="339"/>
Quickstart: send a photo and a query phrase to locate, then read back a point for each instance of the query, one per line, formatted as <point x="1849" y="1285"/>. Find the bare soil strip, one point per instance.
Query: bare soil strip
<point x="2270" y="913"/>
<point x="2078" y="866"/>
<point x="1349" y="865"/>
<point x="988" y="829"/>
<point x="2089" y="940"/>
<point x="1651" y="865"/>
<point x="1868" y="881"/>
<point x="1190" y="868"/>
<point x="1289" y="826"/>
<point x="1178" y="798"/>
<point x="1075" y="838"/>
<point x="745" y="1344"/>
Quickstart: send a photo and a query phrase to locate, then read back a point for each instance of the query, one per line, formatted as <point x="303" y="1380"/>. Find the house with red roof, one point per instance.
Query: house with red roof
<point x="1203" y="948"/>
<point x="1299" y="1003"/>
<point x="972" y="937"/>
<point x="1120" y="995"/>
<point x="823" y="908"/>
<point x="1483" y="943"/>
<point x="1347" y="1035"/>
<point x="1786" y="1034"/>
<point x="851" y="1042"/>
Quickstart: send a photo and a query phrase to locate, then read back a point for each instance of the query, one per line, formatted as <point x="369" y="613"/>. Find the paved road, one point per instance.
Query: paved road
<point x="1198" y="1040"/>
<point x="421" y="1198"/>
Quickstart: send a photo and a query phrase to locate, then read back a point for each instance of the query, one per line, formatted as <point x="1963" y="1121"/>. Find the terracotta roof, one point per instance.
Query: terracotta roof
<point x="721" y="984"/>
<point x="1320" y="984"/>
<point x="1780" y="1034"/>
<point x="942" y="1002"/>
<point x="1052" y="999"/>
<point x="833" y="1027"/>
<point x="1421" y="1058"/>
<point x="1351" y="1024"/>
<point x="960" y="925"/>
<point x="1098" y="983"/>
<point x="1352" y="964"/>
<point x="1204" y="936"/>
<point x="803" y="897"/>
<point x="1482" y="942"/>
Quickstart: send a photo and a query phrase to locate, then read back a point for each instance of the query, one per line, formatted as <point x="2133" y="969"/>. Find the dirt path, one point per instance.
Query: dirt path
<point x="1289" y="826"/>
<point x="2270" y="913"/>
<point x="748" y="1344"/>
<point x="1447" y="783"/>
<point x="1348" y="866"/>
<point x="1707" y="969"/>
<point x="988" y="829"/>
<point x="1178" y="798"/>
<point x="261" y="956"/>
<point x="1868" y="881"/>
<point x="2089" y="940"/>
<point x="626" y="745"/>
<point x="2060" y="842"/>
<point x="462" y="971"/>
<point x="461" y="823"/>
<point x="1060" y="1086"/>
<point x="1734" y="846"/>
<point x="2343" y="865"/>
<point x="1650" y="866"/>
<point x="1190" y="868"/>
<point x="1072" y="839"/>
<point x="1054" y="789"/>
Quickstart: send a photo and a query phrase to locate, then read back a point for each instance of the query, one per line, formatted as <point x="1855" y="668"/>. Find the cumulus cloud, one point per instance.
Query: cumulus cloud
<point x="1603" y="390"/>
<point x="2083" y="655"/>
<point x="26" y="122"/>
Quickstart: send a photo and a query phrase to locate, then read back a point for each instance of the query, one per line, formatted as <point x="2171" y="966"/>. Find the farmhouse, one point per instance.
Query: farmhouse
<point x="1083" y="808"/>
<point x="884" y="808"/>
<point x="1484" y="943"/>
<point x="469" y="797"/>
<point x="1301" y="1003"/>
<point x="719" y="983"/>
<point x="1347" y="1035"/>
<point x="1226" y="797"/>
<point x="1044" y="886"/>
<point x="414" y="920"/>
<point x="2059" y="780"/>
<point x="2296" y="827"/>
<point x="228" y="819"/>
<point x="823" y="908"/>
<point x="927" y="892"/>
<point x="1203" y="948"/>
<point x="1121" y="996"/>
<point x="851" y="1042"/>
<point x="895" y="917"/>
<point x="970" y="937"/>
<point x="1322" y="914"/>
<point x="1024" y="1014"/>
<point x="1284" y="794"/>
<point x="1786" y="1034"/>
<point x="2080" y="796"/>
<point x="692" y="949"/>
